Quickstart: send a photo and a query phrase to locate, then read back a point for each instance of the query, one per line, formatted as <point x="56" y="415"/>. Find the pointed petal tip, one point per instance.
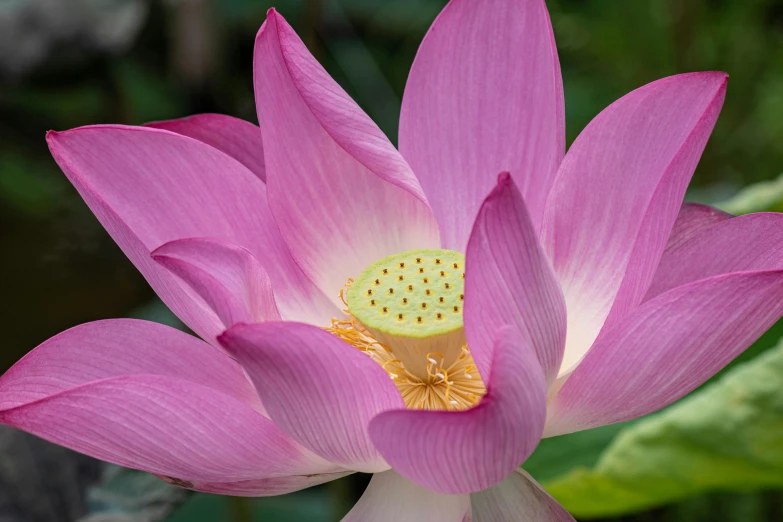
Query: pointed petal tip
<point x="53" y="139"/>
<point x="705" y="79"/>
<point x="230" y="334"/>
<point x="719" y="78"/>
<point x="159" y="252"/>
<point x="718" y="75"/>
<point x="504" y="185"/>
<point x="274" y="16"/>
<point x="53" y="135"/>
<point x="504" y="178"/>
<point x="159" y="258"/>
<point x="54" y="143"/>
<point x="171" y="248"/>
<point x="226" y="336"/>
<point x="271" y="13"/>
<point x="157" y="124"/>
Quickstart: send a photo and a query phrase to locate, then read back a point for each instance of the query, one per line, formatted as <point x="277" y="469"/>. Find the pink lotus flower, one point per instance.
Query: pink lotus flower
<point x="590" y="296"/>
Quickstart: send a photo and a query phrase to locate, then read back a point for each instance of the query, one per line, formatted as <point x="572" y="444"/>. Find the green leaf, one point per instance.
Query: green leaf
<point x="556" y="456"/>
<point x="728" y="436"/>
<point x="766" y="196"/>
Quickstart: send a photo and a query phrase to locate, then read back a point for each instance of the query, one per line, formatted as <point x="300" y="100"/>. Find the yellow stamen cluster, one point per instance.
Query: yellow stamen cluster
<point x="427" y="359"/>
<point x="457" y="387"/>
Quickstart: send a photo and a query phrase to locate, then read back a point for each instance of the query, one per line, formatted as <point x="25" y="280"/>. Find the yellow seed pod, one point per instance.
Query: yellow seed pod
<point x="418" y="294"/>
<point x="412" y="303"/>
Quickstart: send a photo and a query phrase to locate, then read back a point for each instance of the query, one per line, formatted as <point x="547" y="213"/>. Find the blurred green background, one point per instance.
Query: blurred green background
<point x="66" y="63"/>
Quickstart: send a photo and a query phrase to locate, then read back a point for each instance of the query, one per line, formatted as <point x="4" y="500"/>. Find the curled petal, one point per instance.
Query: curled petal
<point x="692" y="219"/>
<point x="239" y="139"/>
<point x="744" y="243"/>
<point x="150" y="186"/>
<point x="509" y="281"/>
<point x="467" y="451"/>
<point x="228" y="278"/>
<point x="318" y="389"/>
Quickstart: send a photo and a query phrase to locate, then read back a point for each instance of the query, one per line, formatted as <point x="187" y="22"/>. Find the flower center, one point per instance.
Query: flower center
<point x="405" y="311"/>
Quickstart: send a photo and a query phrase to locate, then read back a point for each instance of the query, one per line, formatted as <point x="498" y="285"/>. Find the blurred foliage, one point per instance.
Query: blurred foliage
<point x="127" y="495"/>
<point x="42" y="482"/>
<point x="583" y="469"/>
<point x="764" y="196"/>
<point x="131" y="61"/>
<point x="609" y="48"/>
<point x="728" y="436"/>
<point x="312" y="505"/>
<point x="560" y="459"/>
<point x="557" y="456"/>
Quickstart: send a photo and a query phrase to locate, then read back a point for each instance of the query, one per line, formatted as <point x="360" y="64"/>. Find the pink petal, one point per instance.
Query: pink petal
<point x="341" y="194"/>
<point x="229" y="278"/>
<point x="484" y="95"/>
<point x="318" y="389"/>
<point x="265" y="487"/>
<point x="666" y="348"/>
<point x="150" y="186"/>
<point x="467" y="451"/>
<point x="616" y="198"/>
<point x="61" y="382"/>
<point x="518" y="498"/>
<point x="392" y="498"/>
<point x="692" y="219"/>
<point x="741" y="244"/>
<point x="167" y="426"/>
<point x="239" y="139"/>
<point x="509" y="280"/>
<point x="116" y="347"/>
